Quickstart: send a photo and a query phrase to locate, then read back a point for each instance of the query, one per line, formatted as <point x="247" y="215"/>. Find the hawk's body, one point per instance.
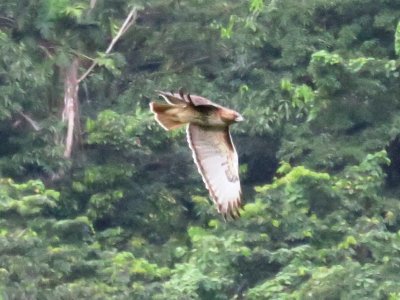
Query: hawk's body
<point x="210" y="141"/>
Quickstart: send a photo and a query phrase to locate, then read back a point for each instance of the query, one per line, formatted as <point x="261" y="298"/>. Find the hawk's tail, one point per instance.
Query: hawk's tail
<point x="165" y="115"/>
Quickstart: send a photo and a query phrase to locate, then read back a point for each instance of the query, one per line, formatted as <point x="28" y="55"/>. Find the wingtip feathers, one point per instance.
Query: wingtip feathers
<point x="232" y="210"/>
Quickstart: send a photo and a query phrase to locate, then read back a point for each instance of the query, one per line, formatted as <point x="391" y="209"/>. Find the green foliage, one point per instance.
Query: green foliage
<point x="15" y="200"/>
<point x="118" y="131"/>
<point x="60" y="256"/>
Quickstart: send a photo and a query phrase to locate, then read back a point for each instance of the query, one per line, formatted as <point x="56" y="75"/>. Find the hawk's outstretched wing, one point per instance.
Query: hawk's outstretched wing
<point x="182" y="99"/>
<point x="217" y="161"/>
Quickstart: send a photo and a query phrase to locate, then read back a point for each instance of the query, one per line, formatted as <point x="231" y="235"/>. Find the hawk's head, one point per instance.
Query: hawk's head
<point x="230" y="116"/>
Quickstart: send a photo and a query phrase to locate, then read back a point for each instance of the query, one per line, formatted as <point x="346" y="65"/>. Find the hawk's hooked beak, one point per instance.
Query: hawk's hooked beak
<point x="239" y="118"/>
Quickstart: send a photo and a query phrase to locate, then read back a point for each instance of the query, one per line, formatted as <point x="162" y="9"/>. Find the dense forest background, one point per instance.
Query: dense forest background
<point x="98" y="202"/>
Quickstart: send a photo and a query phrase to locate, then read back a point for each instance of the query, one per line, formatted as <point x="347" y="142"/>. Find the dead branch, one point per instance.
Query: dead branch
<point x="46" y="51"/>
<point x="7" y="22"/>
<point x="129" y="21"/>
<point x="71" y="86"/>
<point x="33" y="123"/>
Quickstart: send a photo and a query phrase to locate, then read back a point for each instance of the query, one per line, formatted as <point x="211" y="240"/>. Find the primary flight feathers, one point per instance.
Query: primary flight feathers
<point x="210" y="141"/>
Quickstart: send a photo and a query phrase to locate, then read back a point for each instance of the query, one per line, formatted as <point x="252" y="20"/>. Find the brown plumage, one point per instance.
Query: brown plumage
<point x="210" y="141"/>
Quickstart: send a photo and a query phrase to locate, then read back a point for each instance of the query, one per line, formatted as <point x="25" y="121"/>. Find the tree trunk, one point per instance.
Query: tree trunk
<point x="71" y="106"/>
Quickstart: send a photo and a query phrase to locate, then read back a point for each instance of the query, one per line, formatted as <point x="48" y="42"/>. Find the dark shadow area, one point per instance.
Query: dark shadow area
<point x="393" y="170"/>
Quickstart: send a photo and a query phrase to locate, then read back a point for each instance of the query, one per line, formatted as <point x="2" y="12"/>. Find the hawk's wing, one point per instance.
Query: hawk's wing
<point x="173" y="98"/>
<point x="217" y="161"/>
<point x="181" y="98"/>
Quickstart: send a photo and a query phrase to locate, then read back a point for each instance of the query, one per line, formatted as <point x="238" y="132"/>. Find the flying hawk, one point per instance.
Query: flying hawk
<point x="210" y="141"/>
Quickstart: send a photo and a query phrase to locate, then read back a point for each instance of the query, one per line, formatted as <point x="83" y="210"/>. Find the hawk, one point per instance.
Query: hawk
<point x="210" y="141"/>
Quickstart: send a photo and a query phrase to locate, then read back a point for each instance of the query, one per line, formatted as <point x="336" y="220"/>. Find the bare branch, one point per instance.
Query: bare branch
<point x="82" y="55"/>
<point x="70" y="113"/>
<point x="8" y="22"/>
<point x="129" y="21"/>
<point x="7" y="19"/>
<point x="33" y="123"/>
<point x="46" y="51"/>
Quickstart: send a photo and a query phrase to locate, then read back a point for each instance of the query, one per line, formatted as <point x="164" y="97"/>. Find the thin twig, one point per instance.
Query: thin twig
<point x="9" y="21"/>
<point x="129" y="21"/>
<point x="46" y="51"/>
<point x="82" y="55"/>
